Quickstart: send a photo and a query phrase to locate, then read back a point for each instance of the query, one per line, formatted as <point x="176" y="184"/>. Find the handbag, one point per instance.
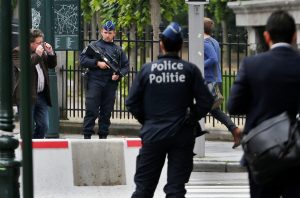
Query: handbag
<point x="272" y="147"/>
<point x="213" y="88"/>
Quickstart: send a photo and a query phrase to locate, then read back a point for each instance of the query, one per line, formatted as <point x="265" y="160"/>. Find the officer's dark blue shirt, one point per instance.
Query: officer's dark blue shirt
<point x="90" y="62"/>
<point x="161" y="94"/>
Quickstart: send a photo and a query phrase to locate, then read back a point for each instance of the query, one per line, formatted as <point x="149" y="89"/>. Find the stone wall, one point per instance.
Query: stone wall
<point x="253" y="15"/>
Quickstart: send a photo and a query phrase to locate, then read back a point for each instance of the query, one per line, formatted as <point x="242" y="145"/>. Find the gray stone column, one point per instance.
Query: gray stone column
<point x="252" y="40"/>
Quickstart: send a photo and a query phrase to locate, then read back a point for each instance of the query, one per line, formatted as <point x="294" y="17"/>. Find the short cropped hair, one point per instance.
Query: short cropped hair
<point x="281" y="27"/>
<point x="171" y="46"/>
<point x="35" y="33"/>
<point x="208" y="26"/>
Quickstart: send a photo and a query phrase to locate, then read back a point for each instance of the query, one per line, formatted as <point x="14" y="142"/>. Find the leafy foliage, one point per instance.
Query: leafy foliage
<point x="87" y="10"/>
<point x="127" y="12"/>
<point x="14" y="3"/>
<point x="219" y="9"/>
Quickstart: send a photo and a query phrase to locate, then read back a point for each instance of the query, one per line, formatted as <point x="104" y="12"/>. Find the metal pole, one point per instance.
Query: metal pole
<point x="196" y="55"/>
<point x="53" y="131"/>
<point x="9" y="167"/>
<point x="26" y="120"/>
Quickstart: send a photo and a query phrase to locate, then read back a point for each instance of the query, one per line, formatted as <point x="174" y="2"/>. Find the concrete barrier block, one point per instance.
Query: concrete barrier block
<point x="52" y="164"/>
<point x="98" y="162"/>
<point x="132" y="148"/>
<point x="131" y="152"/>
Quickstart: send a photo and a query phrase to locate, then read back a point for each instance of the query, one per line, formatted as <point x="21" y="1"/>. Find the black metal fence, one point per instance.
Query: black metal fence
<point x="139" y="49"/>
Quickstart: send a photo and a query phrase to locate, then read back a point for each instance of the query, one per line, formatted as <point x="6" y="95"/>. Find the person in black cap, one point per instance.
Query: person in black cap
<point x="102" y="82"/>
<point x="167" y="97"/>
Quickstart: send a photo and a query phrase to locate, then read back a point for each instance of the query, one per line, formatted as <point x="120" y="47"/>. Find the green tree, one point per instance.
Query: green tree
<point x="134" y="15"/>
<point x="219" y="9"/>
<point x="128" y="12"/>
<point x="220" y="12"/>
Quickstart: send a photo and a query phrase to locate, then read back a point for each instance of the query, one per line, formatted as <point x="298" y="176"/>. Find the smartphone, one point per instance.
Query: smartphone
<point x="44" y="45"/>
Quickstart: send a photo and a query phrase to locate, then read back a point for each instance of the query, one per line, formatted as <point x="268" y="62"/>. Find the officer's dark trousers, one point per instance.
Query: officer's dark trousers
<point x="151" y="159"/>
<point x="99" y="104"/>
<point x="287" y="185"/>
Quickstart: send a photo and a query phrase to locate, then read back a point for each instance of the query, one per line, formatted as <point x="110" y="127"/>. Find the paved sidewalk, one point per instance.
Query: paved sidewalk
<point x="130" y="127"/>
<point x="219" y="155"/>
<point x="208" y="182"/>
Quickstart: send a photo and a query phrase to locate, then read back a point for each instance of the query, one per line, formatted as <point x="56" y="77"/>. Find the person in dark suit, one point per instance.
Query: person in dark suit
<point x="42" y="58"/>
<point x="266" y="85"/>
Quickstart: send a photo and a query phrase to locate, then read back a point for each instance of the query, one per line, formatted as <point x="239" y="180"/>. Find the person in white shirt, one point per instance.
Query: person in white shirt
<point x="43" y="57"/>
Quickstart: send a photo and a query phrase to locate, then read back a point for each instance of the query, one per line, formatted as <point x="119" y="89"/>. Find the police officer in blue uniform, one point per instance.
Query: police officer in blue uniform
<point x="102" y="82"/>
<point x="167" y="97"/>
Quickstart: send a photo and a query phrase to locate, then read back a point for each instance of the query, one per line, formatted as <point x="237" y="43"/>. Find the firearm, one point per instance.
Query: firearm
<point x="103" y="56"/>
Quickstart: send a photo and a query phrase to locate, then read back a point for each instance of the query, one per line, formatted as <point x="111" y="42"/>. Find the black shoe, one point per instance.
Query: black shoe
<point x="102" y="136"/>
<point x="87" y="136"/>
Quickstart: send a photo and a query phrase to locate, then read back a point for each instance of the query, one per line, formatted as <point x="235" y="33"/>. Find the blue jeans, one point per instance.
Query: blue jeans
<point x="40" y="117"/>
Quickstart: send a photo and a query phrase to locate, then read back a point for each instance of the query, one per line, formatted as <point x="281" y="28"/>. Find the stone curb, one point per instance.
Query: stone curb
<point x="132" y="129"/>
<point x="217" y="166"/>
<point x="128" y="129"/>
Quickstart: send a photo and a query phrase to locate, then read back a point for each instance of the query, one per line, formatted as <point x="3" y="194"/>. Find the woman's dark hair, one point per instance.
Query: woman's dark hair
<point x="35" y="33"/>
<point x="281" y="27"/>
<point x="171" y="45"/>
